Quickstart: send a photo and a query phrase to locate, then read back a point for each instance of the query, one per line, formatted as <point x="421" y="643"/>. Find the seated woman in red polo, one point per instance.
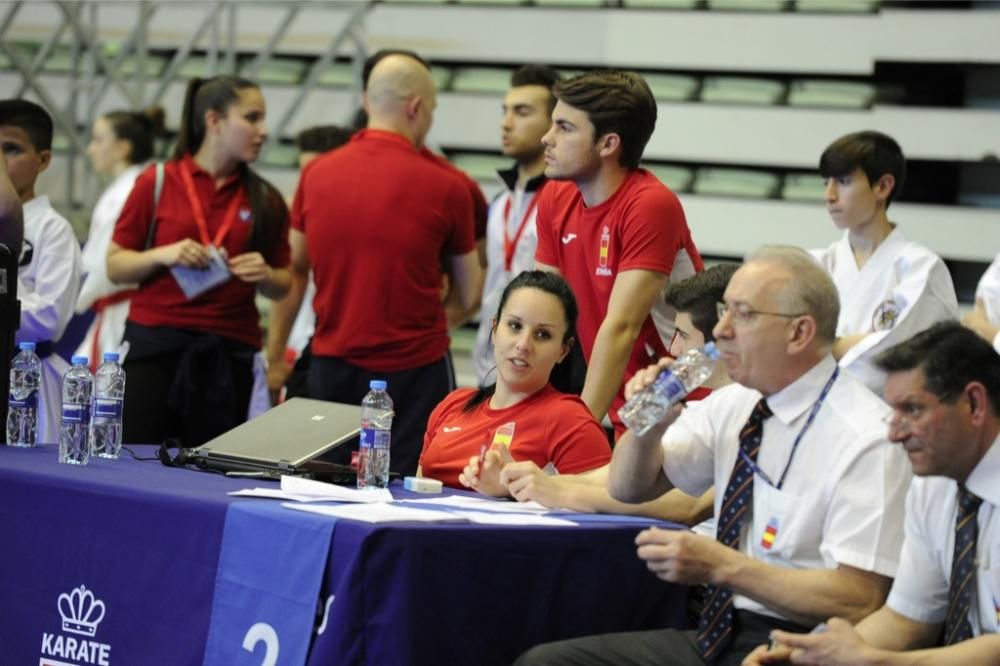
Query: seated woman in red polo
<point x="522" y="415"/>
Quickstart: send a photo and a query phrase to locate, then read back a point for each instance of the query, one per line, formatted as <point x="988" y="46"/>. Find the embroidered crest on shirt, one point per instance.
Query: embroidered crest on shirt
<point x="885" y="315"/>
<point x="605" y="250"/>
<point x="27" y="253"/>
<point x="244" y="214"/>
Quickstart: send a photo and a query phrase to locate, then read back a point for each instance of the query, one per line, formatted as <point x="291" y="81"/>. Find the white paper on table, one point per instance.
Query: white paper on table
<point x="296" y="485"/>
<point x="271" y="493"/>
<point x="514" y="519"/>
<point x="378" y="512"/>
<point x="480" y="504"/>
<point x="275" y="493"/>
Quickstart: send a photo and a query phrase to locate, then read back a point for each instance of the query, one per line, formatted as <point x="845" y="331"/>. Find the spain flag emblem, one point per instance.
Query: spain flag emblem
<point x="770" y="534"/>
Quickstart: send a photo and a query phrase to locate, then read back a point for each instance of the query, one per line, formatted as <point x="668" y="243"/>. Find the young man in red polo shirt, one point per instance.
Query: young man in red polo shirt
<point x="373" y="219"/>
<point x="614" y="231"/>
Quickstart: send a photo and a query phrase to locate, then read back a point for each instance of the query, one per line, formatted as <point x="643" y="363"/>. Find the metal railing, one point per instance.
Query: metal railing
<point x="98" y="66"/>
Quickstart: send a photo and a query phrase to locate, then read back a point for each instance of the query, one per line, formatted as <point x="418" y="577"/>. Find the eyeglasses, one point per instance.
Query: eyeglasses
<point x="744" y="314"/>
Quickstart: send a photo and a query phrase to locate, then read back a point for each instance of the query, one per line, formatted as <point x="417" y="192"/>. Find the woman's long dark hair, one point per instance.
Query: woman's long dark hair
<point x="550" y="283"/>
<point x="267" y="206"/>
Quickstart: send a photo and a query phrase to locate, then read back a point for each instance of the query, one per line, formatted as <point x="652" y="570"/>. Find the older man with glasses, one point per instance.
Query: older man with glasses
<point x="809" y="493"/>
<point x="944" y="606"/>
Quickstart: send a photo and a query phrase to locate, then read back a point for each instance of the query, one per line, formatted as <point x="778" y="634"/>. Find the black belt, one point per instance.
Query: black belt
<point x="748" y="620"/>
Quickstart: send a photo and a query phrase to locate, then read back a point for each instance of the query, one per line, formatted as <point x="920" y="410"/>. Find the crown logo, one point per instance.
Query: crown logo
<point x="81" y="612"/>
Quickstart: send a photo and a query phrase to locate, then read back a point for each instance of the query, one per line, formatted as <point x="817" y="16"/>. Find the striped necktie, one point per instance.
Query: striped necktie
<point x="963" y="569"/>
<point x="715" y="627"/>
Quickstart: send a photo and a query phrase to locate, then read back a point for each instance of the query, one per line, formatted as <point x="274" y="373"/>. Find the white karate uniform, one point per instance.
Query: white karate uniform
<point x="48" y="279"/>
<point x="109" y="324"/>
<point x="903" y="289"/>
<point x="497" y="275"/>
<point x="988" y="292"/>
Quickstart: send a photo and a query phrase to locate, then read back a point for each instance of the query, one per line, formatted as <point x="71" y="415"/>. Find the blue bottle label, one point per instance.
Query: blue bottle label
<point x="670" y="386"/>
<point x="107" y="408"/>
<point x="30" y="401"/>
<point x="73" y="413"/>
<point x="374" y="439"/>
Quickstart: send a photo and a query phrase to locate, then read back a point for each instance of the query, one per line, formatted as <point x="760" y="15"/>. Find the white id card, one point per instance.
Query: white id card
<point x="196" y="281"/>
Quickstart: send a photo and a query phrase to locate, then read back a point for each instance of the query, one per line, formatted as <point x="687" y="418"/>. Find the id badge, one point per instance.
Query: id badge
<point x="196" y="281"/>
<point x="772" y="510"/>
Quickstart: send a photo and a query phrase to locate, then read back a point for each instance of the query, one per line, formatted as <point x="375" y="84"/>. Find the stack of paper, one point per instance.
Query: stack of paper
<point x="298" y="489"/>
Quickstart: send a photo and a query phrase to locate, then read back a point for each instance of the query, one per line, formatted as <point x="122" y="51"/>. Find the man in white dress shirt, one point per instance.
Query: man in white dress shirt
<point x="944" y="607"/>
<point x="809" y="513"/>
<point x="890" y="287"/>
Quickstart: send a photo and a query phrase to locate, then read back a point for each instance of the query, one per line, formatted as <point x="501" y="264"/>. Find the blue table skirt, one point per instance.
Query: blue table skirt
<point x="143" y="538"/>
<point x="145" y="541"/>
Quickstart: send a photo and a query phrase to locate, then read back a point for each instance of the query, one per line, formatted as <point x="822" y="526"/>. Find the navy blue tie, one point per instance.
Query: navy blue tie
<point x="963" y="568"/>
<point x="715" y="627"/>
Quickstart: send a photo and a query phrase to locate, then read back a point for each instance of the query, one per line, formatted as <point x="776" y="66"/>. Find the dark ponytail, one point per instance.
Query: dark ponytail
<point x="139" y="129"/>
<point x="267" y="206"/>
<point x="550" y="283"/>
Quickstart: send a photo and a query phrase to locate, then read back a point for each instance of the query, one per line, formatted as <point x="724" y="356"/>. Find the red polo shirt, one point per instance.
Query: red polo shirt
<point x="480" y="207"/>
<point x="377" y="217"/>
<point x="228" y="309"/>
<point x="641" y="226"/>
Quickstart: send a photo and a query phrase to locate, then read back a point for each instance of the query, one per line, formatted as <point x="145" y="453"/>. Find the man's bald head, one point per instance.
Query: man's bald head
<point x="395" y="79"/>
<point x="401" y="97"/>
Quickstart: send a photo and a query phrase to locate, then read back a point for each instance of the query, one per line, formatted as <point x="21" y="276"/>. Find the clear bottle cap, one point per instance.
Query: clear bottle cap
<point x="377" y="384"/>
<point x="80" y="360"/>
<point x="110" y="356"/>
<point x="26" y="346"/>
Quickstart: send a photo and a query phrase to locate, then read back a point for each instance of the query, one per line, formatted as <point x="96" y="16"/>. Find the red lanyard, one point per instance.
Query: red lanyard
<point x="199" y="214"/>
<point x="510" y="244"/>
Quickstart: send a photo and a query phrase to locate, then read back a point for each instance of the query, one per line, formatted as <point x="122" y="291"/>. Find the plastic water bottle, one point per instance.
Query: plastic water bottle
<point x="649" y="406"/>
<point x="376" y="423"/>
<point x="109" y="393"/>
<point x="74" y="431"/>
<point x="22" y="408"/>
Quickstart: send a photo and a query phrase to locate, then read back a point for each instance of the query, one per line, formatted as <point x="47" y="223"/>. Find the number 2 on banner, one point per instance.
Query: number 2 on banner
<point x="262" y="631"/>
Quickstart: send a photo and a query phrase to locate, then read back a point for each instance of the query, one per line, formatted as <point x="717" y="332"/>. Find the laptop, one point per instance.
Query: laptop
<point x="283" y="440"/>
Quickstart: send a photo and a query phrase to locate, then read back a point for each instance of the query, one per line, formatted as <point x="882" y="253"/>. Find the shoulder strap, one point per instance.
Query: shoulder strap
<point x="157" y="189"/>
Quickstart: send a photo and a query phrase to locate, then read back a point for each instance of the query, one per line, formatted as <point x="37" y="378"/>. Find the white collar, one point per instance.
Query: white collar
<point x="36" y="207"/>
<point x="792" y="401"/>
<point x="984" y="481"/>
